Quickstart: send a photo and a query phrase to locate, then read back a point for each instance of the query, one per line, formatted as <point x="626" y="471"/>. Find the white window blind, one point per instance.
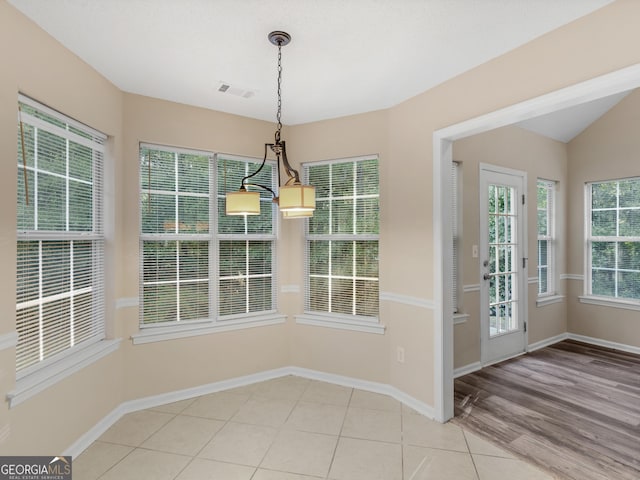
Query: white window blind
<point x="546" y="234"/>
<point x="60" y="236"/>
<point x="342" y="238"/>
<point x="613" y="238"/>
<point x="456" y="228"/>
<point x="246" y="244"/>
<point x="198" y="264"/>
<point x="175" y="234"/>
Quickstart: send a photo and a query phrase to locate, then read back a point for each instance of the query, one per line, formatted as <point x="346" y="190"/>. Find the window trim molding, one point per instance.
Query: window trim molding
<point x="39" y="375"/>
<point x="588" y="297"/>
<point x="160" y="333"/>
<point x="43" y="378"/>
<point x="610" y="302"/>
<point x="550" y="238"/>
<point x="549" y="299"/>
<point x="8" y="340"/>
<point x="330" y="319"/>
<point x="214" y="322"/>
<point x="341" y="322"/>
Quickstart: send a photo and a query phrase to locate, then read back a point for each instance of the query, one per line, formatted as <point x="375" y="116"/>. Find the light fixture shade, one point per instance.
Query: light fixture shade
<point x="242" y="203"/>
<point x="297" y="198"/>
<point x="298" y="214"/>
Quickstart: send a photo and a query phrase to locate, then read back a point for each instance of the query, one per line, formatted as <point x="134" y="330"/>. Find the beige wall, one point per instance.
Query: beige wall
<point x="539" y="157"/>
<point x="38" y="66"/>
<point x="32" y="63"/>
<point x="609" y="149"/>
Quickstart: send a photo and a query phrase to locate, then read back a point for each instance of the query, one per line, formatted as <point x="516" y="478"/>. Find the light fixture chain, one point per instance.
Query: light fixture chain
<point x="279" y="114"/>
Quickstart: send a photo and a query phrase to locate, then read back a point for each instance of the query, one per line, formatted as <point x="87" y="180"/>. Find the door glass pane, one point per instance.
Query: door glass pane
<point x="502" y="260"/>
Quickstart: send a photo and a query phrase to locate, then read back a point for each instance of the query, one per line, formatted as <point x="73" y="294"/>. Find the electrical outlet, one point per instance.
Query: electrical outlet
<point x="400" y="355"/>
<point x="474" y="251"/>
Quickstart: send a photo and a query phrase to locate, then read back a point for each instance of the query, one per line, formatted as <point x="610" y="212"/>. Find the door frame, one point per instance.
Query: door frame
<point x="608" y="84"/>
<point x="523" y="277"/>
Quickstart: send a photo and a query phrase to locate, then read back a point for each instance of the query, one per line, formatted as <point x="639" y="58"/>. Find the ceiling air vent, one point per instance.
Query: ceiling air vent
<point x="237" y="91"/>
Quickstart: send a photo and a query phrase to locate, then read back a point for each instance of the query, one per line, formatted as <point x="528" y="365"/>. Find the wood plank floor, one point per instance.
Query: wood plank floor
<point x="571" y="408"/>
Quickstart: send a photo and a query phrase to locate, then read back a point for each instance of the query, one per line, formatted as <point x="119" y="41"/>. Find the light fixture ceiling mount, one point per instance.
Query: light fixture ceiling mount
<point x="279" y="38"/>
<point x="294" y="199"/>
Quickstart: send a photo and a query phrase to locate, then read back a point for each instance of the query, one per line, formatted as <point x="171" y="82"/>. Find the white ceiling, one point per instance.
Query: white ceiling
<point x="565" y="125"/>
<point x="346" y="56"/>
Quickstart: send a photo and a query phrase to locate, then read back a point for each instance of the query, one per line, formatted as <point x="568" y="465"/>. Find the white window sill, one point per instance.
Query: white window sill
<point x="160" y="333"/>
<point x="340" y="322"/>
<point x="459" y="318"/>
<point x="549" y="300"/>
<point x="611" y="302"/>
<point x="43" y="378"/>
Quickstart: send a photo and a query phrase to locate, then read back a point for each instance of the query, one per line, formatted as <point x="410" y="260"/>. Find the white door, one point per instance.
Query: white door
<point x="503" y="268"/>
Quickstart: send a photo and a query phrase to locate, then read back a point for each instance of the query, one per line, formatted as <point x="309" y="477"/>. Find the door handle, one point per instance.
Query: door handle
<point x="486" y="276"/>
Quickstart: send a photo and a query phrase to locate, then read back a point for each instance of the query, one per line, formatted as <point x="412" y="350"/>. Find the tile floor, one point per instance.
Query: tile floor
<point x="292" y="428"/>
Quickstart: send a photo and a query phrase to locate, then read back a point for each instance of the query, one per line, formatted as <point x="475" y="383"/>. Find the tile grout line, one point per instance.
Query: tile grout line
<point x="473" y="461"/>
<point x="335" y="449"/>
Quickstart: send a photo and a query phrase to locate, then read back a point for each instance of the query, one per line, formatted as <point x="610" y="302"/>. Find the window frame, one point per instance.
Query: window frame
<point x="457" y="291"/>
<point x="214" y="321"/>
<point x="48" y="370"/>
<point x="370" y="324"/>
<point x="550" y="187"/>
<point x="589" y="297"/>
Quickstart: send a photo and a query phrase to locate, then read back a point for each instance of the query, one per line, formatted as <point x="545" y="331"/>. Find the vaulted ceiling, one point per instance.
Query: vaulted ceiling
<point x="346" y="56"/>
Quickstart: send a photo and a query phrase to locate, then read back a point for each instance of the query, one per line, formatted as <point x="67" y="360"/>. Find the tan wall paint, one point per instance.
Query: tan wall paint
<point x="353" y="354"/>
<point x="593" y="45"/>
<point x="34" y="64"/>
<point x="607" y="150"/>
<point x="177" y="364"/>
<point x="539" y="157"/>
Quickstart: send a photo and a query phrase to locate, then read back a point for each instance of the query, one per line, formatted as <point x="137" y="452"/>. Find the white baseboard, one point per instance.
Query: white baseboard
<point x="546" y="342"/>
<point x="374" y="387"/>
<point x="604" y="343"/>
<point x="155" y="400"/>
<point x="470" y="368"/>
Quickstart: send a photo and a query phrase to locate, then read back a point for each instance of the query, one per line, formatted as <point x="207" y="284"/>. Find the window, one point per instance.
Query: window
<point x="456" y="225"/>
<point x="342" y="238"/>
<point x="60" y="237"/>
<point x="199" y="264"/>
<point x="613" y="239"/>
<point x="546" y="240"/>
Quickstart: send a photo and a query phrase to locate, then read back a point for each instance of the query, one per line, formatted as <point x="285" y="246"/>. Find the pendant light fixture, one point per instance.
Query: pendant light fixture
<point x="294" y="199"/>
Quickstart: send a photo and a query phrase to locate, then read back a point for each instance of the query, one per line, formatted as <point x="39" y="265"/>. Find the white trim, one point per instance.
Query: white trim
<point x="466" y="369"/>
<point x="504" y="358"/>
<point x="407" y="300"/>
<point x="367" y="385"/>
<point x="572" y="276"/>
<point x="605" y="343"/>
<point x="532" y="280"/>
<point x="341" y="323"/>
<point x="459" y="318"/>
<point x="130" y="406"/>
<point x="8" y="340"/>
<point x="36" y="382"/>
<point x="127" y="302"/>
<point x="327" y="161"/>
<point x="169" y="397"/>
<point x="610" y="302"/>
<point x="547" y="342"/>
<point x="549" y="300"/>
<point x="617" y="81"/>
<point x="290" y="289"/>
<point x="499" y="347"/>
<point x="54" y="113"/>
<point x="475" y="287"/>
<point x="160" y="334"/>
